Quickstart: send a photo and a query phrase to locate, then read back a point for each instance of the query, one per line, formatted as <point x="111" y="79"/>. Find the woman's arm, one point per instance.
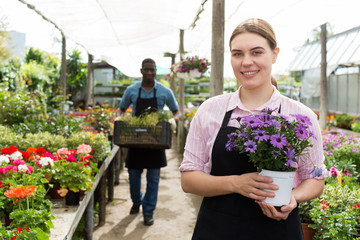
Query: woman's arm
<point x="206" y="185"/>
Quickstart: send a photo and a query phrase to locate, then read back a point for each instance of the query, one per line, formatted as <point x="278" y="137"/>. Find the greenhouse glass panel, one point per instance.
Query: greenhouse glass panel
<point x="332" y="93"/>
<point x="353" y="93"/>
<point x="353" y="46"/>
<point x="342" y="49"/>
<point x="342" y="91"/>
<point x="310" y="53"/>
<point x="298" y="63"/>
<point x="334" y="50"/>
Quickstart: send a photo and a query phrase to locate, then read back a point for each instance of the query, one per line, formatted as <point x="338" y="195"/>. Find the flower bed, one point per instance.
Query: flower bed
<point x="26" y="176"/>
<point x="335" y="214"/>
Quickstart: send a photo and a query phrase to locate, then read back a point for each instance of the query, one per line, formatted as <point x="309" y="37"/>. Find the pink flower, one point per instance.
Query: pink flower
<point x="83" y="148"/>
<point x="355" y="150"/>
<point x="10" y="168"/>
<point x="18" y="162"/>
<point x="62" y="151"/>
<point x="334" y="172"/>
<point x="71" y="158"/>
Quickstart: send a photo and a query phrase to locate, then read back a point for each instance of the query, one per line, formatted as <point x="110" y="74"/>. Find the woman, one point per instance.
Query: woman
<point x="233" y="206"/>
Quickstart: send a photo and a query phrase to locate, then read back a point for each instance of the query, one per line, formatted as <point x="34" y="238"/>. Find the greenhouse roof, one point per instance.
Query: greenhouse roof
<point x="342" y="49"/>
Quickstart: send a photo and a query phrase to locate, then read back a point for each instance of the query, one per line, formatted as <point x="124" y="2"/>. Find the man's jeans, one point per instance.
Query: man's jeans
<point x="152" y="186"/>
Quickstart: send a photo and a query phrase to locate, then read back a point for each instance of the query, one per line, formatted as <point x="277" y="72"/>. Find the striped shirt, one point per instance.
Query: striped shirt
<point x="208" y="119"/>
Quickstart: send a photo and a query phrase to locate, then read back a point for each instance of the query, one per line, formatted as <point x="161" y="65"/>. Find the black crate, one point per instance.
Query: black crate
<point x="141" y="136"/>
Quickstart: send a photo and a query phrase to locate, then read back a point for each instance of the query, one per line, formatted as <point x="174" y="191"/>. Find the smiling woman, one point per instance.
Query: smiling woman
<point x="233" y="190"/>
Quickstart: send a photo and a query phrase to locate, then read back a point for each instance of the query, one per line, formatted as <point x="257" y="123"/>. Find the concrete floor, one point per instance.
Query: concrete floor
<point x="174" y="217"/>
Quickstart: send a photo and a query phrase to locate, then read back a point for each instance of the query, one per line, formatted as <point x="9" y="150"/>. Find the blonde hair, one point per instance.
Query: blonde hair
<point x="260" y="27"/>
<point x="257" y="26"/>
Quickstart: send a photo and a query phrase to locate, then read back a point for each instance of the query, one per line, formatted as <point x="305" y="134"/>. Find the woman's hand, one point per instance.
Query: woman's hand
<point x="251" y="184"/>
<point x="281" y="214"/>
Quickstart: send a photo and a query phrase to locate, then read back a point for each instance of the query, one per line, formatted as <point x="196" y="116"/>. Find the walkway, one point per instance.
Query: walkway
<point x="174" y="217"/>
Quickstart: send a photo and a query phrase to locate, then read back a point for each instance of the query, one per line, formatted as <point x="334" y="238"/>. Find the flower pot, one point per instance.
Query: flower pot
<point x="7" y="219"/>
<point x="54" y="192"/>
<point x="72" y="198"/>
<point x="308" y="232"/>
<point x="194" y="73"/>
<point x="183" y="75"/>
<point x="285" y="182"/>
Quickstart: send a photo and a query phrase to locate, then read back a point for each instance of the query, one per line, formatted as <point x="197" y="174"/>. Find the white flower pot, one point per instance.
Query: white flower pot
<point x="191" y="74"/>
<point x="194" y="73"/>
<point x="183" y="75"/>
<point x="285" y="182"/>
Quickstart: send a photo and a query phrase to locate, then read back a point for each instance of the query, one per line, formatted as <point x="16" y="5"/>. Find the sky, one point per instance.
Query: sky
<point x="293" y="21"/>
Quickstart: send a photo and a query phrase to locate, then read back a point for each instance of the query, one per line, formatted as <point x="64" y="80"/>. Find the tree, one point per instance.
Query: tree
<point x="76" y="74"/>
<point x="4" y="37"/>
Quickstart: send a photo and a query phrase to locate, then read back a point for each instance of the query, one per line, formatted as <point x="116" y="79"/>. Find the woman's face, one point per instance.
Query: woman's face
<point x="252" y="59"/>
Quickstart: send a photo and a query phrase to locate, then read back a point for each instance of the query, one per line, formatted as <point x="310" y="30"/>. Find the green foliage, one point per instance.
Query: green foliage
<point x="9" y="138"/>
<point x="73" y="175"/>
<point x="147" y="119"/>
<point x="342" y="152"/>
<point x="4" y="37"/>
<point x="355" y="126"/>
<point x="344" y="121"/>
<point x="58" y="125"/>
<point x="335" y="212"/>
<point x="50" y="142"/>
<point x="16" y="107"/>
<point x="10" y="76"/>
<point x="76" y="72"/>
<point x="41" y="71"/>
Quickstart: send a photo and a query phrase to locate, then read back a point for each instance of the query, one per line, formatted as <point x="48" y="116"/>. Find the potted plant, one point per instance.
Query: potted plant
<point x="191" y="67"/>
<point x="274" y="143"/>
<point x="72" y="171"/>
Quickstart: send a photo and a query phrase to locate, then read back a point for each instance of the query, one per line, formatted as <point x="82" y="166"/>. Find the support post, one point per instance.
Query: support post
<point x="323" y="80"/>
<point x="89" y="220"/>
<point x="102" y="200"/>
<point x="217" y="48"/>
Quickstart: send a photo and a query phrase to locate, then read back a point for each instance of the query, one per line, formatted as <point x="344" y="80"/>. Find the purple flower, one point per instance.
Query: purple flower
<point x="232" y="136"/>
<point x="260" y="135"/>
<point x="230" y="145"/>
<point x="250" y="146"/>
<point x="278" y="140"/>
<point x="244" y="135"/>
<point x="251" y="121"/>
<point x="304" y="120"/>
<point x="290" y="153"/>
<point x="292" y="164"/>
<point x="317" y="172"/>
<point x="301" y="132"/>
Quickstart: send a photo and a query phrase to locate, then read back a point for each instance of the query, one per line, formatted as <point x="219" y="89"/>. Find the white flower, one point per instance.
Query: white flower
<point x="4" y="159"/>
<point x="22" y="168"/>
<point x="44" y="161"/>
<point x="16" y="155"/>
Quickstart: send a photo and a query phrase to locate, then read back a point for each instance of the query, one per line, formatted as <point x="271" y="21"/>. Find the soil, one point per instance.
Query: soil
<point x="174" y="216"/>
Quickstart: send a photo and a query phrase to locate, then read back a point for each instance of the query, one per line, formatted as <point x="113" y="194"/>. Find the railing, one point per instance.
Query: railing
<point x="67" y="218"/>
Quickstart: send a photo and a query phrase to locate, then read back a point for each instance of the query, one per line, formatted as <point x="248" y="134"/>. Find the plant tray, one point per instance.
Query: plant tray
<point x="141" y="136"/>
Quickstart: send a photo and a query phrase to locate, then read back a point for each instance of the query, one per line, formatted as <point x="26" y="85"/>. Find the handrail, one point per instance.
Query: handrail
<point x="64" y="215"/>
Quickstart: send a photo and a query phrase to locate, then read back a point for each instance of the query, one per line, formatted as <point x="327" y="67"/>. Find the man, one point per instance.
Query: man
<point x="142" y="95"/>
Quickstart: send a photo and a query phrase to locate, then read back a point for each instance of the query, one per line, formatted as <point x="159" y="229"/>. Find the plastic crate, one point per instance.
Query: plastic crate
<point x="141" y="136"/>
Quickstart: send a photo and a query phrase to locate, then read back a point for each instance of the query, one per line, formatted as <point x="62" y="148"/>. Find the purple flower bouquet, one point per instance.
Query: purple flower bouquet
<point x="272" y="141"/>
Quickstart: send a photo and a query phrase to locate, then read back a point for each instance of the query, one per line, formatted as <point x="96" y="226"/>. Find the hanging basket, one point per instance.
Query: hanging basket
<point x="191" y="74"/>
<point x="285" y="182"/>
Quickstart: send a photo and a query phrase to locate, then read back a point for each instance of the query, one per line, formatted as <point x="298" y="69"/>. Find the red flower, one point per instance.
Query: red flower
<point x="40" y="151"/>
<point x="12" y="149"/>
<point x="356" y="205"/>
<point x="25" y="155"/>
<point x="4" y="151"/>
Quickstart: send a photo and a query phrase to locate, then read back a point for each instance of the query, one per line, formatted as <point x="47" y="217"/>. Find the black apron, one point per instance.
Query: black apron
<point x="138" y="158"/>
<point x="234" y="216"/>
